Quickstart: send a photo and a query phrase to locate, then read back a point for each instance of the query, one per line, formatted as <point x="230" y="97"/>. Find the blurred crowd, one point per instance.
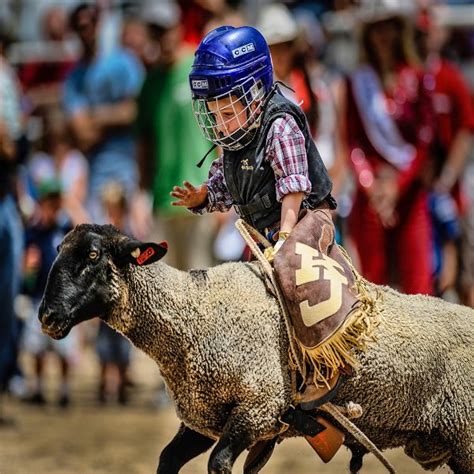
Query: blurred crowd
<point x="96" y="125"/>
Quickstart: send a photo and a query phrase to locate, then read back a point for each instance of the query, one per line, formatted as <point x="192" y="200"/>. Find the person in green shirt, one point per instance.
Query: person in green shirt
<point x="168" y="140"/>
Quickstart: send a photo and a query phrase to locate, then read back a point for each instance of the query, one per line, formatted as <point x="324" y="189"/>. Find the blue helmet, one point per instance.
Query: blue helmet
<point x="230" y="63"/>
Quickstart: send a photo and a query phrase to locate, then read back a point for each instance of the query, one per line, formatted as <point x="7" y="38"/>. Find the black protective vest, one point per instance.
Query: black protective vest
<point x="250" y="178"/>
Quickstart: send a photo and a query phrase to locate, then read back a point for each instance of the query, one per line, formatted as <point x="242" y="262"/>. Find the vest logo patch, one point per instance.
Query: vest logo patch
<point x="244" y="165"/>
<point x="241" y="50"/>
<point x="200" y="84"/>
<point x="316" y="266"/>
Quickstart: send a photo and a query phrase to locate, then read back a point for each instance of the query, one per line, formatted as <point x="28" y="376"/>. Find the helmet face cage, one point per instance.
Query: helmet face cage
<point x="218" y="129"/>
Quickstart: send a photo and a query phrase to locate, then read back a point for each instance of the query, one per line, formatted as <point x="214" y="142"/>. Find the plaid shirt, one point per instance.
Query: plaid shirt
<point x="286" y="152"/>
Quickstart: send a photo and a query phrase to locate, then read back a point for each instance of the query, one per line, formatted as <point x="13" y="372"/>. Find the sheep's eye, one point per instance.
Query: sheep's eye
<point x="93" y="255"/>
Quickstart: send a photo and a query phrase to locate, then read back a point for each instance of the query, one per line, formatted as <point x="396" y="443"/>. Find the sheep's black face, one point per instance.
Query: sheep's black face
<point x="84" y="280"/>
<point x="78" y="288"/>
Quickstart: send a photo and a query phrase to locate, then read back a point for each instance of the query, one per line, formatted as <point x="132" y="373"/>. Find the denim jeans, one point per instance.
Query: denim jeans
<point x="11" y="251"/>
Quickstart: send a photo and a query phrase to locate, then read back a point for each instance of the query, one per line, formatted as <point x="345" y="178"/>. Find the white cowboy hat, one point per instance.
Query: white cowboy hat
<point x="374" y="11"/>
<point x="277" y="24"/>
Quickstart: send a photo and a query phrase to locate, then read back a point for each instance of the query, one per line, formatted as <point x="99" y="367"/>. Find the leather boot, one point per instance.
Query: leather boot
<point x="314" y="395"/>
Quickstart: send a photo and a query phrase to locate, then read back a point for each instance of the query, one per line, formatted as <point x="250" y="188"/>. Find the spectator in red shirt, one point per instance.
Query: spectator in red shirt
<point x="452" y="103"/>
<point x="389" y="132"/>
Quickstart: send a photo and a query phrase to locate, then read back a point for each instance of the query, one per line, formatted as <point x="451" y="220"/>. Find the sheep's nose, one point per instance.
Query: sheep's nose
<point x="45" y="315"/>
<point x="45" y="318"/>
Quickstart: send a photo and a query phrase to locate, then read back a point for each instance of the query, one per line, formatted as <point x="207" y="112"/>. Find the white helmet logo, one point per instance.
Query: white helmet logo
<point x="245" y="49"/>
<point x="200" y="84"/>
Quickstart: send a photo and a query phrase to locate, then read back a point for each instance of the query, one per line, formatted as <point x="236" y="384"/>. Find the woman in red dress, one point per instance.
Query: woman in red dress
<point x="389" y="126"/>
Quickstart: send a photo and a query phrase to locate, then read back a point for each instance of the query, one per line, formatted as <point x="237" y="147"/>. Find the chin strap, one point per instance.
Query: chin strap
<point x="286" y="86"/>
<point x="203" y="159"/>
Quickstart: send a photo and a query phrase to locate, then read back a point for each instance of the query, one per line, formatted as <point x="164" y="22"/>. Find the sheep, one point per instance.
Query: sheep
<point x="221" y="344"/>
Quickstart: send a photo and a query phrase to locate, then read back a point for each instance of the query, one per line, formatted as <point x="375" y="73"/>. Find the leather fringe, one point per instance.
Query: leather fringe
<point x="339" y="351"/>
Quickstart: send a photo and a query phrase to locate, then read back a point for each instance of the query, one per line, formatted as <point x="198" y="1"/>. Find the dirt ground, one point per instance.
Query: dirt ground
<point x="91" y="439"/>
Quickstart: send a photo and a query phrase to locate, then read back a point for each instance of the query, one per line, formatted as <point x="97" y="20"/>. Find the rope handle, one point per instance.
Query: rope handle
<point x="249" y="234"/>
<point x="241" y="224"/>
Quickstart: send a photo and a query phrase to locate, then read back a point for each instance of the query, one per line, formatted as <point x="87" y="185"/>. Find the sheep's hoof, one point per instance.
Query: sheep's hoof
<point x="219" y="470"/>
<point x="217" y="465"/>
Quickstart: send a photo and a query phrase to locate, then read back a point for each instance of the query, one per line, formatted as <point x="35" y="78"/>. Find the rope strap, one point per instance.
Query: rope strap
<point x="358" y="435"/>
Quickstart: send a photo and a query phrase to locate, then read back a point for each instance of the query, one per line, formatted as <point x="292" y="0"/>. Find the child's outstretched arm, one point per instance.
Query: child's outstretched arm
<point x="210" y="196"/>
<point x="189" y="195"/>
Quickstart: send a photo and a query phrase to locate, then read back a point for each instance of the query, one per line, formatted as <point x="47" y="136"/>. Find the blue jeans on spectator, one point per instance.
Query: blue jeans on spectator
<point x="11" y="249"/>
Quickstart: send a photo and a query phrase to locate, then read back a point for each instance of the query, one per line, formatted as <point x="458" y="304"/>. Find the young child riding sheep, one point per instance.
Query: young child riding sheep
<point x="272" y="173"/>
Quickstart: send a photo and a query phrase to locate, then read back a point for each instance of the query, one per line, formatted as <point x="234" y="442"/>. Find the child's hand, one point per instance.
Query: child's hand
<point x="270" y="252"/>
<point x="189" y="196"/>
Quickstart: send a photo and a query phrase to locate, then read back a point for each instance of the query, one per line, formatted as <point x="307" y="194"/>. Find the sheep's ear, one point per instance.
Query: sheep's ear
<point x="139" y="253"/>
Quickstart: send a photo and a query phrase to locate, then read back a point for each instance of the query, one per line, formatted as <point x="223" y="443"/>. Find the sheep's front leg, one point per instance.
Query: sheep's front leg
<point x="237" y="436"/>
<point x="226" y="452"/>
<point x="186" y="445"/>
